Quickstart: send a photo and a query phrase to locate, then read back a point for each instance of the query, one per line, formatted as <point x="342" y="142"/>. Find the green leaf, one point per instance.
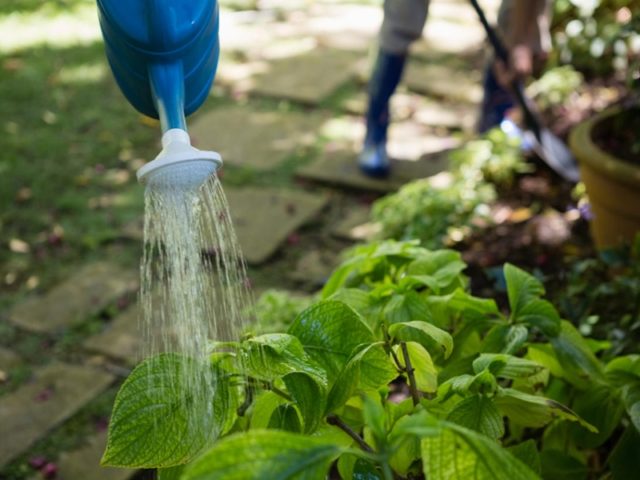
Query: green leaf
<point x="330" y="332"/>
<point x="430" y="337"/>
<point x="589" y="405"/>
<point x="352" y="467"/>
<point x="271" y="356"/>
<point x="157" y="402"/>
<point x="534" y="411"/>
<point x="265" y="454"/>
<point x="623" y="370"/>
<point x="543" y="354"/>
<point x="506" y="366"/>
<point x="458" y="453"/>
<point x="356" y="298"/>
<point x="626" y="363"/>
<point x="522" y="288"/>
<point x="579" y="364"/>
<point x="461" y="304"/>
<point x="263" y="407"/>
<point x="425" y="371"/>
<point x="404" y="308"/>
<point x="505" y="339"/>
<point x="285" y="417"/>
<point x="374" y="418"/>
<point x="368" y="369"/>
<point x="557" y="464"/>
<point x="171" y="473"/>
<point x="631" y="398"/>
<point x="439" y="270"/>
<point x="540" y="314"/>
<point x="527" y="453"/>
<point x="480" y="414"/>
<point x="624" y="457"/>
<point x="309" y="396"/>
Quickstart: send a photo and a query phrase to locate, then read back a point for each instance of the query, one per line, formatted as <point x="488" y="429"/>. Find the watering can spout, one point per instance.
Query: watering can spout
<point x="164" y="55"/>
<point x="179" y="165"/>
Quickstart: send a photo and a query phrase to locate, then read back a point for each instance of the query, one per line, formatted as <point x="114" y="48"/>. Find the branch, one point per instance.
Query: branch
<point x="393" y="353"/>
<point x="336" y="421"/>
<point x="248" y="399"/>
<point x="270" y="386"/>
<point x="410" y="373"/>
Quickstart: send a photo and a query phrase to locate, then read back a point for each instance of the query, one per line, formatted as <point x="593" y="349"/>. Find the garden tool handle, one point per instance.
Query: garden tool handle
<point x="516" y="85"/>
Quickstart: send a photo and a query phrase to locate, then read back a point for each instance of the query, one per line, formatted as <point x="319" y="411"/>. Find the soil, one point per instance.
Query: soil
<point x="619" y="135"/>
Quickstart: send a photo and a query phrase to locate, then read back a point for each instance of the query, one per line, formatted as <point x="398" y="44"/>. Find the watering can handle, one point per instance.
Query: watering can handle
<point x="167" y="78"/>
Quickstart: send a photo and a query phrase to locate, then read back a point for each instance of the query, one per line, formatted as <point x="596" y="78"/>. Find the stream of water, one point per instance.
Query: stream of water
<point x="194" y="282"/>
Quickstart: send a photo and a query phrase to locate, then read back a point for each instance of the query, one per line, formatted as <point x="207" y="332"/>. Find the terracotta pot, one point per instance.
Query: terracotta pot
<point x="612" y="184"/>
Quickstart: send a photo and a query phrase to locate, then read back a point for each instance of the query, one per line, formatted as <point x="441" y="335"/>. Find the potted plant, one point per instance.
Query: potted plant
<point x="607" y="147"/>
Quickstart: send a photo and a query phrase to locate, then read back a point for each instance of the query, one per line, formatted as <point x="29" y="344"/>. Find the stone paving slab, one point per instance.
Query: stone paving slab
<point x="412" y="141"/>
<point x="356" y="225"/>
<point x="54" y="394"/>
<point x="308" y="78"/>
<point x="315" y="267"/>
<point x="253" y="138"/>
<point x="444" y="82"/>
<point x="121" y="339"/>
<point x="88" y="291"/>
<point x="263" y="218"/>
<point x="451" y="116"/>
<point x="403" y="105"/>
<point x="84" y="463"/>
<point x="340" y="168"/>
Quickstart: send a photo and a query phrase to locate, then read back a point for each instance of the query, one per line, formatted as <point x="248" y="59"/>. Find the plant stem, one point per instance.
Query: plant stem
<point x="386" y="471"/>
<point x="284" y="395"/>
<point x="337" y="421"/>
<point x="410" y="373"/>
<point x="242" y="409"/>
<point x="270" y="386"/>
<point x="387" y="340"/>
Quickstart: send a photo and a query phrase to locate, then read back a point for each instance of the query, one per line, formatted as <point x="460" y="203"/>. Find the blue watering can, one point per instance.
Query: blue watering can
<point x="164" y="55"/>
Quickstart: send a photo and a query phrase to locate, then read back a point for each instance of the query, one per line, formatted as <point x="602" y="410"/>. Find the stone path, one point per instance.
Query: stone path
<point x="263" y="218"/>
<point x="339" y="168"/>
<point x="286" y="114"/>
<point x="84" y="462"/>
<point x="90" y="290"/>
<point x="55" y="392"/>
<point x="121" y="339"/>
<point x="254" y="138"/>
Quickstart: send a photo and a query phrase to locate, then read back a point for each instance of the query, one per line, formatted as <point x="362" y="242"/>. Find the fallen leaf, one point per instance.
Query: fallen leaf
<point x="18" y="246"/>
<point x="32" y="282"/>
<point x="23" y="194"/>
<point x="521" y="214"/>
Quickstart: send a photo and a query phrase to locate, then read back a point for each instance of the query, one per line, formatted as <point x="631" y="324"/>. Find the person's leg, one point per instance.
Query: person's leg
<point x="496" y="100"/>
<point x="403" y="24"/>
<point x="519" y="23"/>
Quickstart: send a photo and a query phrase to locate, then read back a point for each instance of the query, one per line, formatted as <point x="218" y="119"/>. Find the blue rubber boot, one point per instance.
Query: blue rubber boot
<point x="496" y="102"/>
<point x="373" y="159"/>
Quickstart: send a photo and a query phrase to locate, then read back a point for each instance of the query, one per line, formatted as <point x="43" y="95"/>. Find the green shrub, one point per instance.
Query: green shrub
<point x="599" y="37"/>
<point x="398" y="372"/>
<point x="438" y="209"/>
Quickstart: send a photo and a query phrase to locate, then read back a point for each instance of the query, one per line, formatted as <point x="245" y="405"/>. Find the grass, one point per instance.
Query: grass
<point x="69" y="148"/>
